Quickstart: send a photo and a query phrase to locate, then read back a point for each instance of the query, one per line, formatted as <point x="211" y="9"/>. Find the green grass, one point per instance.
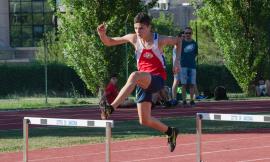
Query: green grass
<point x="38" y="102"/>
<point x="16" y="102"/>
<point x="40" y="138"/>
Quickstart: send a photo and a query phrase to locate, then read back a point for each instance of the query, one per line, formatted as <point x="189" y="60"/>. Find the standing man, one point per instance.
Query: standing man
<point x="150" y="76"/>
<point x="176" y="77"/>
<point x="188" y="66"/>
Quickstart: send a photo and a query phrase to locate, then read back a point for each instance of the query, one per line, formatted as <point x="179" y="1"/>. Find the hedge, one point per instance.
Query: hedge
<point x="28" y="80"/>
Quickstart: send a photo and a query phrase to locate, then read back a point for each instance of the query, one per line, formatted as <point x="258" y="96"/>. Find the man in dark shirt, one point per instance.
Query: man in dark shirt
<point x="188" y="66"/>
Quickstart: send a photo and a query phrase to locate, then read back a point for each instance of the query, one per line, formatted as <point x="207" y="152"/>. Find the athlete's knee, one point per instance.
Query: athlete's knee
<point x="133" y="76"/>
<point x="145" y="121"/>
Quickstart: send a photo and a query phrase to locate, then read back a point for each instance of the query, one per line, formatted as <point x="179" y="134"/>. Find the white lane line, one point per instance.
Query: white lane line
<point x="204" y="153"/>
<point x="255" y="160"/>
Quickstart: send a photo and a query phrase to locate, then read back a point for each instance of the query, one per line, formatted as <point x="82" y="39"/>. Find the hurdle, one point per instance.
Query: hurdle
<point x="223" y="117"/>
<point x="108" y="124"/>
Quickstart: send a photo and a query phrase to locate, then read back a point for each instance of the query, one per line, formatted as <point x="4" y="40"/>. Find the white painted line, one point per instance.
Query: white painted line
<point x="255" y="160"/>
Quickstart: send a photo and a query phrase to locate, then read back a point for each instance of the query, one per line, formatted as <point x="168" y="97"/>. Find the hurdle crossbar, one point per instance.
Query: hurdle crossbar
<point x="108" y="124"/>
<point x="223" y="117"/>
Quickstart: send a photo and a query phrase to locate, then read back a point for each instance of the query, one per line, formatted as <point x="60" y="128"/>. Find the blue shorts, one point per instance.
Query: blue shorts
<point x="188" y="76"/>
<point x="145" y="95"/>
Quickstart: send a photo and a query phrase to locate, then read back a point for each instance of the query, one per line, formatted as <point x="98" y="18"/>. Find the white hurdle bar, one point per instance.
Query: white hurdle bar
<point x="108" y="124"/>
<point x="223" y="117"/>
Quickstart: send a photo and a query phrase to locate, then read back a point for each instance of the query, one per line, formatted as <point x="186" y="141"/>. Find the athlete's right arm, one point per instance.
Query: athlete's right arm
<point x="112" y="41"/>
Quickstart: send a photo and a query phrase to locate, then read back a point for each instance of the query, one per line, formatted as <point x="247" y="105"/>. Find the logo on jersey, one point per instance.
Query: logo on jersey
<point x="148" y="55"/>
<point x="189" y="48"/>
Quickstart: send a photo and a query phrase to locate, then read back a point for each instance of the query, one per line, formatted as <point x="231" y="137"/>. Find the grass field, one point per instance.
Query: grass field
<point x="54" y="102"/>
<point x="39" y="102"/>
<point x="40" y="138"/>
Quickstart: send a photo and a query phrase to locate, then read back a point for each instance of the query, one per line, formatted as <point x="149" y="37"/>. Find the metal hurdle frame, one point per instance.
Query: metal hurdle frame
<point x="223" y="117"/>
<point x="108" y="124"/>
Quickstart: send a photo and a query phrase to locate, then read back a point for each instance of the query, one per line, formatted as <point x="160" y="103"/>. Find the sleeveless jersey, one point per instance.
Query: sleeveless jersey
<point x="150" y="60"/>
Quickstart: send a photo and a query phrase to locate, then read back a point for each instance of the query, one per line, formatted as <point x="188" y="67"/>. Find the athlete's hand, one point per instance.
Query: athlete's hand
<point x="101" y="29"/>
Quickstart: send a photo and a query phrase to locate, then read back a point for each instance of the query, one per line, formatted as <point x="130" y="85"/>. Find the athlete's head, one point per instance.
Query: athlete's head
<point x="142" y="24"/>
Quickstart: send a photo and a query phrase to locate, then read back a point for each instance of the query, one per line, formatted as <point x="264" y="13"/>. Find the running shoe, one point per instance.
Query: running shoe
<point x="172" y="139"/>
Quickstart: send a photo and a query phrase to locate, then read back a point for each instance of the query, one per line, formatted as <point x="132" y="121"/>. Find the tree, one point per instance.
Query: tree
<point x="164" y="25"/>
<point x="242" y="36"/>
<point x="82" y="47"/>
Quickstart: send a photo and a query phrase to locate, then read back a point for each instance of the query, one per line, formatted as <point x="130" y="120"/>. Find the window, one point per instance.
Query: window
<point x="164" y="6"/>
<point x="38" y="6"/>
<point x="38" y="31"/>
<point x="26" y="7"/>
<point x="29" y="19"/>
<point x="161" y="6"/>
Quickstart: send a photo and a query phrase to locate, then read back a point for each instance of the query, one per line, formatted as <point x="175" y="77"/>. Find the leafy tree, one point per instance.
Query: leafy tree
<point x="54" y="49"/>
<point x="209" y="52"/>
<point x="164" y="26"/>
<point x="82" y="47"/>
<point x="241" y="34"/>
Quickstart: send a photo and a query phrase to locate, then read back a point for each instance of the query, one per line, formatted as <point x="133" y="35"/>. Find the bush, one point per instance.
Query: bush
<point x="29" y="80"/>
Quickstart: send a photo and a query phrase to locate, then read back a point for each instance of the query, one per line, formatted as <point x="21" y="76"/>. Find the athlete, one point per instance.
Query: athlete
<point x="150" y="76"/>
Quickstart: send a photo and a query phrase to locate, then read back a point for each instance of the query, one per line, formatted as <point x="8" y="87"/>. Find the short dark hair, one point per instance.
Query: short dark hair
<point x="142" y="18"/>
<point x="188" y="28"/>
<point x="114" y="76"/>
<point x="181" y="33"/>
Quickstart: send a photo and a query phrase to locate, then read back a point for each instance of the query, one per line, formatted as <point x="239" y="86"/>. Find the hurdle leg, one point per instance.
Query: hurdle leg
<point x="108" y="141"/>
<point x="25" y="138"/>
<point x="199" y="132"/>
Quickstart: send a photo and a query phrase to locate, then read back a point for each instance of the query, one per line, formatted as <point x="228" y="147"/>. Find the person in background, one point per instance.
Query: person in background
<point x="261" y="88"/>
<point x="188" y="66"/>
<point x="162" y="97"/>
<point x="111" y="90"/>
<point x="267" y="84"/>
<point x="176" y="78"/>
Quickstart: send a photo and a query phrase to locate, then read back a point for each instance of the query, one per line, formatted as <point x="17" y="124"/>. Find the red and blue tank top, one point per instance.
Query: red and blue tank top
<point x="151" y="60"/>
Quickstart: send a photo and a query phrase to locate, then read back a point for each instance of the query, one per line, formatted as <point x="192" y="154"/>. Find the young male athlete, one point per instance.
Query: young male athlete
<point x="150" y="75"/>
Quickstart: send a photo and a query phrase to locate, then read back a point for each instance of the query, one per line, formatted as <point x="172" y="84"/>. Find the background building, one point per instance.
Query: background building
<point x="22" y="25"/>
<point x="181" y="10"/>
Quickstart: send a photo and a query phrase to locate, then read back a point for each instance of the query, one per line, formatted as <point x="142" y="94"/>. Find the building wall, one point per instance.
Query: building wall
<point x="4" y="24"/>
<point x="182" y="14"/>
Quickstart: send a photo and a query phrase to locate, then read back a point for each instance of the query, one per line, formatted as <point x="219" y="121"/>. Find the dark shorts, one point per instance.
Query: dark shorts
<point x="145" y="95"/>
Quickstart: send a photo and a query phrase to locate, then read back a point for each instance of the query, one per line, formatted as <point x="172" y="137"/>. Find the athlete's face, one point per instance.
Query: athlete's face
<point x="142" y="30"/>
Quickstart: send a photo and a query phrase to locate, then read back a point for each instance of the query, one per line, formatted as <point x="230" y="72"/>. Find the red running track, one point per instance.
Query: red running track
<point x="13" y="119"/>
<point x="246" y="147"/>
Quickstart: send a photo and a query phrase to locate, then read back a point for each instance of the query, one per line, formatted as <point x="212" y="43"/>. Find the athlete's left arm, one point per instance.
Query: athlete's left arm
<point x="174" y="41"/>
